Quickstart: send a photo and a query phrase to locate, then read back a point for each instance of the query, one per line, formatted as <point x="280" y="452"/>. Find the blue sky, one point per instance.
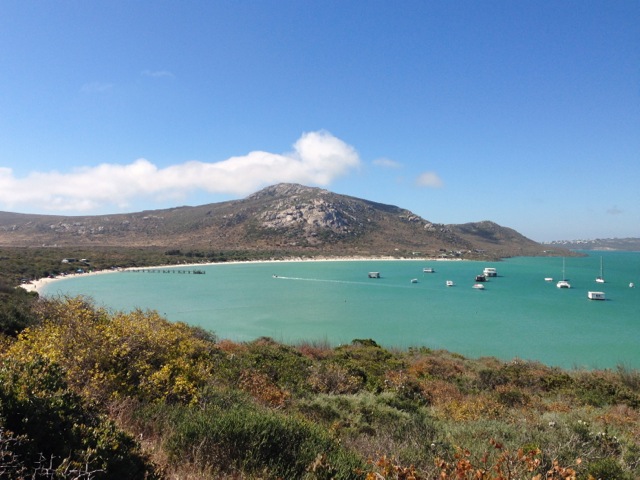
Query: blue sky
<point x="526" y="113"/>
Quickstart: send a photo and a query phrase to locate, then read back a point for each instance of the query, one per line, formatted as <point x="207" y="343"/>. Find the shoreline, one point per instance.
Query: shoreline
<point x="38" y="284"/>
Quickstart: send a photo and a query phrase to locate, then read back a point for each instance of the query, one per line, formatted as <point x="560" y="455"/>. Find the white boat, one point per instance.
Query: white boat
<point x="595" y="295"/>
<point x="414" y="280"/>
<point x="631" y="285"/>
<point x="450" y="283"/>
<point x="428" y="270"/>
<point x="564" y="283"/>
<point x="600" y="278"/>
<point x="374" y="274"/>
<point x="490" y="272"/>
<point x="548" y="279"/>
<point x="481" y="278"/>
<point x="478" y="286"/>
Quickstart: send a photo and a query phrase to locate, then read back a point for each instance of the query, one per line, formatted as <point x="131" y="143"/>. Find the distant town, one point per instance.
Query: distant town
<point x="625" y="244"/>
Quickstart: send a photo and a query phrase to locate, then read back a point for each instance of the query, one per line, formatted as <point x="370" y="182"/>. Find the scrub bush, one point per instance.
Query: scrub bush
<point x="45" y="429"/>
<point x="16" y="310"/>
<point x="285" y="366"/>
<point x="111" y="356"/>
<point x="256" y="442"/>
<point x="366" y="360"/>
<point x="377" y="425"/>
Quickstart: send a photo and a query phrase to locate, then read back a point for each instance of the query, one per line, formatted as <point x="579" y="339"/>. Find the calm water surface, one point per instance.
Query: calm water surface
<point x="517" y="315"/>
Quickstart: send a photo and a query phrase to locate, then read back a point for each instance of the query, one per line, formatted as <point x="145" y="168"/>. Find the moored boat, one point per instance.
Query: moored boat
<point x="595" y="295"/>
<point x="564" y="283"/>
<point x="600" y="278"/>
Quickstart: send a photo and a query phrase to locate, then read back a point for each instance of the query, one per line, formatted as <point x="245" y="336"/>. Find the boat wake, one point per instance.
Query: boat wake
<point x="325" y="280"/>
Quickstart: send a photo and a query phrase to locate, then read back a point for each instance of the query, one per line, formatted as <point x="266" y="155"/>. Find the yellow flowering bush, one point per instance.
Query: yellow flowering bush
<point x="108" y="356"/>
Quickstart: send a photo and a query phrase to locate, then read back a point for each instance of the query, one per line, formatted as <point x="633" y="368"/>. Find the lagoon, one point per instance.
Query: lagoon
<point x="518" y="315"/>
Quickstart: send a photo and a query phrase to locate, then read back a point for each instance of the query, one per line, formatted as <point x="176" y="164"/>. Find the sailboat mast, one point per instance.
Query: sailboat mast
<point x="601" y="268"/>
<point x="600" y="279"/>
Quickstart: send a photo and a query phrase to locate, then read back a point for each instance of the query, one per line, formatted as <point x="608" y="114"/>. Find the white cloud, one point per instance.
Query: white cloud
<point x="317" y="159"/>
<point x="429" y="180"/>
<point x="386" y="163"/>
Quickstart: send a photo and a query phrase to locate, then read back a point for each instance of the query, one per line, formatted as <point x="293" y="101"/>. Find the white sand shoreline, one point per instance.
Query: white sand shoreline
<point x="37" y="285"/>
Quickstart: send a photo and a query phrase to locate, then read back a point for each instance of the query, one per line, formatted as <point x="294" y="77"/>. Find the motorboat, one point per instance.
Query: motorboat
<point x="428" y="270"/>
<point x="478" y="286"/>
<point x="450" y="283"/>
<point x="414" y="280"/>
<point x="595" y="295"/>
<point x="490" y="272"/>
<point x="548" y="279"/>
<point x="374" y="274"/>
<point x="481" y="278"/>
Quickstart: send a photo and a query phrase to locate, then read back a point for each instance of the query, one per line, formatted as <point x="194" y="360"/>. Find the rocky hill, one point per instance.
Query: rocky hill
<point x="288" y="217"/>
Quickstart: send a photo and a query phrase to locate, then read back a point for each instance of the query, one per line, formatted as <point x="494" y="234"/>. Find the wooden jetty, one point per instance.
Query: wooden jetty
<point x="169" y="270"/>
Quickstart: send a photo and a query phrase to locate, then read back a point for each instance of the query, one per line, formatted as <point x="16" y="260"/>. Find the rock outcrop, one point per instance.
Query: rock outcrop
<point x="284" y="217"/>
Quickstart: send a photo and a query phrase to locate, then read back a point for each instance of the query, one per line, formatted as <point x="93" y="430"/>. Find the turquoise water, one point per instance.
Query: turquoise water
<point x="518" y="315"/>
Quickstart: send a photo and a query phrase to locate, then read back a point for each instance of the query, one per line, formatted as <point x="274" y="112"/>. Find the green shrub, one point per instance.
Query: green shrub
<point x="556" y="380"/>
<point x="15" y="310"/>
<point x="490" y="378"/>
<point x="378" y="425"/>
<point x="44" y="423"/>
<point x="512" y="397"/>
<point x="608" y="469"/>
<point x="252" y="441"/>
<point x="366" y="360"/>
<point x="596" y="391"/>
<point x="283" y="365"/>
<point x="629" y="377"/>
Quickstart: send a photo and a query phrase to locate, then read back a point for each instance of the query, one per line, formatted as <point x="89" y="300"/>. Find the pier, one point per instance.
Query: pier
<point x="169" y="270"/>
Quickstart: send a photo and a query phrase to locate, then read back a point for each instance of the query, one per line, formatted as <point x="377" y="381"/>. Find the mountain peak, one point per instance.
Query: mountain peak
<point x="285" y="217"/>
<point x="286" y="189"/>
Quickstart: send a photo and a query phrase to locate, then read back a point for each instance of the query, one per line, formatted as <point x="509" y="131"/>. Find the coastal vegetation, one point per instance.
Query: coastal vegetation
<point x="24" y="264"/>
<point x="86" y="392"/>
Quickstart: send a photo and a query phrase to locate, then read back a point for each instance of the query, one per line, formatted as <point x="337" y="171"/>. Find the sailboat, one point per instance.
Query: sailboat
<point x="564" y="283"/>
<point x="600" y="279"/>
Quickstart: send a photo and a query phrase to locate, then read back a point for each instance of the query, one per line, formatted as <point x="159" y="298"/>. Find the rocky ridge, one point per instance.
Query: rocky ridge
<point x="283" y="216"/>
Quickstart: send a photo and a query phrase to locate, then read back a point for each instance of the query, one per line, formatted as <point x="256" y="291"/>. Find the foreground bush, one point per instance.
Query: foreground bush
<point x="47" y="431"/>
<point x="109" y="356"/>
<point x="249" y="440"/>
<point x="16" y="311"/>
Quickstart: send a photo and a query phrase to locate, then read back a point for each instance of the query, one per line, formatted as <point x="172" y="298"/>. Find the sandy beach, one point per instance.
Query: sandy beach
<point x="37" y="285"/>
